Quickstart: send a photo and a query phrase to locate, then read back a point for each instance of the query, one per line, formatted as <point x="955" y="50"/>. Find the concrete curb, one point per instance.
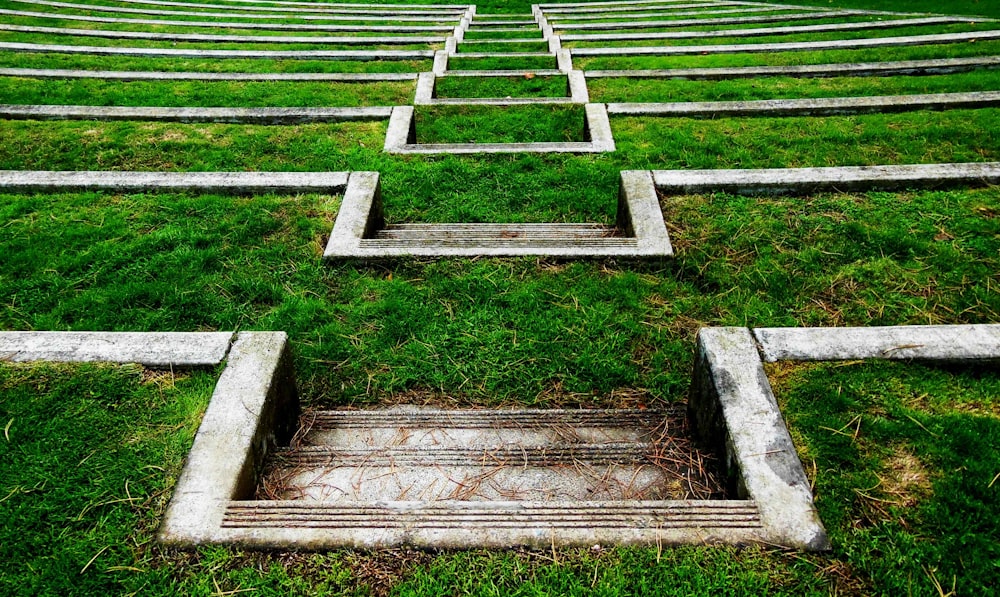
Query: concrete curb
<point x="233" y="183"/>
<point x="811" y="180"/>
<point x="813" y="107"/>
<point x="369" y="9"/>
<point x="41" y="73"/>
<point x="187" y="115"/>
<point x="150" y="349"/>
<point x="944" y="343"/>
<point x="731" y="398"/>
<point x="253" y="409"/>
<point x="200" y="37"/>
<point x="229" y="25"/>
<point x="237" y="15"/>
<point x="861" y="69"/>
<point x="359" y="55"/>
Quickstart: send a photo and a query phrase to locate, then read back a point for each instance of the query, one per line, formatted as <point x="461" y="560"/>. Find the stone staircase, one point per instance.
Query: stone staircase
<point x="494" y="477"/>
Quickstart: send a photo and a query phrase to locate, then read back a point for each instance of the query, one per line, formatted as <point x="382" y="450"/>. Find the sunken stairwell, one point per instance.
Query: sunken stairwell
<point x="360" y="231"/>
<point x="459" y="478"/>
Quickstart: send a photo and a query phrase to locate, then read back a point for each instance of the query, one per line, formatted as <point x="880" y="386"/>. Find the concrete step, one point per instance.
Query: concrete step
<point x="479" y="477"/>
<point x="413" y="453"/>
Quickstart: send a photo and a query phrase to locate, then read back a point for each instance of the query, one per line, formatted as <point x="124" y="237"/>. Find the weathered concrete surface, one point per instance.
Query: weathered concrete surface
<point x="796" y="29"/>
<point x="861" y="69"/>
<point x="359" y="55"/>
<point x="814" y="107"/>
<point x="360" y="214"/>
<point x="150" y="349"/>
<point x="610" y="10"/>
<point x="221" y="38"/>
<point x="731" y="398"/>
<point x="810" y="180"/>
<point x="502" y="73"/>
<point x="500" y="525"/>
<point x="947" y="343"/>
<point x="253" y="409"/>
<point x="233" y="15"/>
<point x="598" y="128"/>
<point x="246" y="183"/>
<point x="843" y="44"/>
<point x="639" y="213"/>
<point x="466" y="478"/>
<point x="363" y="9"/>
<point x="372" y="10"/>
<point x="564" y="60"/>
<point x="578" y="87"/>
<point x="638" y="22"/>
<point x="120" y="75"/>
<point x="440" y="62"/>
<point x="401" y="130"/>
<point x="162" y="114"/>
<point x="229" y="25"/>
<point x="465" y="54"/>
<point x="425" y="89"/>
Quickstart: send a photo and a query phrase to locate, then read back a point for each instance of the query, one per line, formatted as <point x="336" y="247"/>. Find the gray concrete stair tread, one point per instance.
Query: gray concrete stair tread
<point x="464" y="232"/>
<point x="603" y="454"/>
<point x="478" y="418"/>
<point x="499" y="514"/>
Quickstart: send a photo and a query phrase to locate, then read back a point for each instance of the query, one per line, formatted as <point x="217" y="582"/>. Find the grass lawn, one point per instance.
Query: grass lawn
<point x="902" y="457"/>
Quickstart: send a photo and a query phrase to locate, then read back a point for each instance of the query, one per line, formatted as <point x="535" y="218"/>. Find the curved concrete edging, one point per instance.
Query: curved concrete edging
<point x="636" y="24"/>
<point x="844" y="44"/>
<point x="228" y="25"/>
<point x="199" y="37"/>
<point x="935" y="66"/>
<point x="763" y="31"/>
<point x="235" y="15"/>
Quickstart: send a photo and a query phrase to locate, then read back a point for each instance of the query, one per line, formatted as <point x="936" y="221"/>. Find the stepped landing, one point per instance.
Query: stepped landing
<point x="491" y="477"/>
<point x="412" y="453"/>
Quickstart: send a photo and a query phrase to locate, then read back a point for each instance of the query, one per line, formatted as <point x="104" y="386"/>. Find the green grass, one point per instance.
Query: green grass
<point x="15" y="90"/>
<point x="87" y="462"/>
<point x="497" y="331"/>
<point x="490" y="124"/>
<point x="910" y="138"/>
<point x="514" y="63"/>
<point x="450" y="87"/>
<point x="484" y="33"/>
<point x="905" y="459"/>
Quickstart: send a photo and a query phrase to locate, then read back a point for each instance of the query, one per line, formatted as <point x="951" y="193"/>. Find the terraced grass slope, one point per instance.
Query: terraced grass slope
<point x="902" y="468"/>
